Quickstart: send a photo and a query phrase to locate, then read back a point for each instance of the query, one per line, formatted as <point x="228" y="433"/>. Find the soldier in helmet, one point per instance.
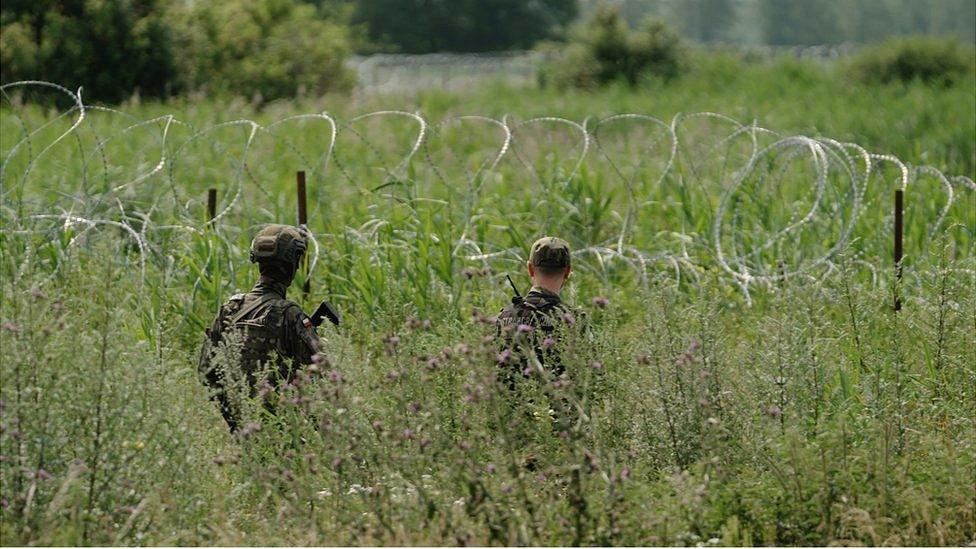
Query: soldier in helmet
<point x="273" y="333"/>
<point x="536" y="322"/>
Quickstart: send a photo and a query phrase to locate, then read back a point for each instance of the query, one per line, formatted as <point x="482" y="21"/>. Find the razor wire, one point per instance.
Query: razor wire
<point x="714" y="176"/>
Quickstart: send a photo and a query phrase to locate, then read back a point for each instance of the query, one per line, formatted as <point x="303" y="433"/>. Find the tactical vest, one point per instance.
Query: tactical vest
<point x="542" y="314"/>
<point x="259" y="325"/>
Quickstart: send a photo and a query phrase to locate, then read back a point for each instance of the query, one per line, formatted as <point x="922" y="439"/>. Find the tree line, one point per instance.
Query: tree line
<point x="272" y="49"/>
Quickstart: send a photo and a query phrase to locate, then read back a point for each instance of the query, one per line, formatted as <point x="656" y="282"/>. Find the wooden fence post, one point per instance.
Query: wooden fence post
<point x="899" y="231"/>
<point x="303" y="220"/>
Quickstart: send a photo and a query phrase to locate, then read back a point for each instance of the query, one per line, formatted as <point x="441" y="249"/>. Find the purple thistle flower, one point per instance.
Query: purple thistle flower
<point x="774" y="411"/>
<point x="504" y="356"/>
<point x="525" y="329"/>
<point x="600" y="302"/>
<point x="41" y="474"/>
<point x="490" y="468"/>
<point x="548" y="343"/>
<point x="336" y="463"/>
<point x="377" y="425"/>
<point x="10" y="327"/>
<point x="507" y="489"/>
<point x="624" y="474"/>
<point x="408" y="433"/>
<point x="415" y="407"/>
<point x="335" y="376"/>
<point x="569" y="319"/>
<point x="317" y="358"/>
<point x="527" y="371"/>
<point x="695" y="345"/>
<point x="464" y="445"/>
<point x="596" y="365"/>
<point x="424" y="442"/>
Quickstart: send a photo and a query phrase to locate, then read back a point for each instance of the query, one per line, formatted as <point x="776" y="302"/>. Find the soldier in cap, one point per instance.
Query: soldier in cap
<point x="536" y="322"/>
<point x="272" y="336"/>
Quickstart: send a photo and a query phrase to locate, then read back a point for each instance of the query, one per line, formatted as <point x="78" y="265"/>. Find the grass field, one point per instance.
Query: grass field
<point x="747" y="382"/>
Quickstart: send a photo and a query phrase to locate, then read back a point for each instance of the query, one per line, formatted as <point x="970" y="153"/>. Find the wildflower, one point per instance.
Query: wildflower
<point x="335" y="376"/>
<point x="504" y="356"/>
<point x="317" y="358"/>
<point x="525" y="329"/>
<point x="712" y="421"/>
<point x="596" y="365"/>
<point x="490" y="468"/>
<point x="413" y="322"/>
<point x="527" y="371"/>
<point x="426" y="324"/>
<point x="462" y="348"/>
<point x="488" y="339"/>
<point x="447" y="352"/>
<point x="41" y="474"/>
<point x="774" y="411"/>
<point x="464" y="445"/>
<point x="10" y="327"/>
<point x="4" y="503"/>
<point x="695" y="345"/>
<point x="424" y="442"/>
<point x="643" y="359"/>
<point x="37" y="293"/>
<point x="415" y="407"/>
<point x="377" y="425"/>
<point x="469" y="273"/>
<point x="624" y="474"/>
<point x="336" y="463"/>
<point x="569" y="319"/>
<point x="392" y="341"/>
<point x="408" y="434"/>
<point x="600" y="302"/>
<point x="507" y="489"/>
<point x="548" y="343"/>
<point x="432" y="363"/>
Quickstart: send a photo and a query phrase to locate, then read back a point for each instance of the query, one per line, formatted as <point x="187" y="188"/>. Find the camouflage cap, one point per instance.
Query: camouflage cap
<point x="278" y="244"/>
<point x="550" y="251"/>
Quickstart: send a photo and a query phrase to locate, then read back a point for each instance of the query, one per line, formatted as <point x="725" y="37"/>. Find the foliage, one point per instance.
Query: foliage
<point x="931" y="60"/>
<point x="112" y="49"/>
<point x="269" y="48"/>
<point x="604" y="50"/>
<point x="814" y="415"/>
<point x="462" y="25"/>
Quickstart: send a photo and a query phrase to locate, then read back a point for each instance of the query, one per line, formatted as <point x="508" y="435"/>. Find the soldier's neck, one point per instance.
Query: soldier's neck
<point x="544" y="289"/>
<point x="267" y="284"/>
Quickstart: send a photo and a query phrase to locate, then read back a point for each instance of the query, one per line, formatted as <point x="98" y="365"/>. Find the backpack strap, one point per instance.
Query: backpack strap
<point x="250" y="308"/>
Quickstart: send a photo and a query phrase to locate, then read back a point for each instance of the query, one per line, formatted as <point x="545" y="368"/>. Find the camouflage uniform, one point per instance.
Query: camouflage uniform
<point x="541" y="310"/>
<point x="273" y="332"/>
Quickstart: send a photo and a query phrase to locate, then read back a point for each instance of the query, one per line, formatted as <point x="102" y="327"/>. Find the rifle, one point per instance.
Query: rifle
<point x="517" y="298"/>
<point x="325" y="310"/>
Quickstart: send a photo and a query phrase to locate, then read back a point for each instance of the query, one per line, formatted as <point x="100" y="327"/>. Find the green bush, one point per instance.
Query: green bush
<point x="932" y="60"/>
<point x="269" y="49"/>
<point x="604" y="50"/>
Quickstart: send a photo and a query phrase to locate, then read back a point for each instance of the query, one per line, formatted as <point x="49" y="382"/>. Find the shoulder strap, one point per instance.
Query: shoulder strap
<point x="250" y="308"/>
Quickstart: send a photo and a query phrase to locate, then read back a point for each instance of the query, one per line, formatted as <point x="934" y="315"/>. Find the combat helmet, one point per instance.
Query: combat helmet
<point x="278" y="245"/>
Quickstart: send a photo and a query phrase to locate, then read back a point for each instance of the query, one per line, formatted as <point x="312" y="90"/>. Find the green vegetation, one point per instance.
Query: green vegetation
<point x="793" y="411"/>
<point x="930" y="60"/>
<point x="604" y="50"/>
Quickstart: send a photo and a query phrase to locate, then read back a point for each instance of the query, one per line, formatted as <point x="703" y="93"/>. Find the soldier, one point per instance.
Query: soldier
<point x="537" y="319"/>
<point x="267" y="333"/>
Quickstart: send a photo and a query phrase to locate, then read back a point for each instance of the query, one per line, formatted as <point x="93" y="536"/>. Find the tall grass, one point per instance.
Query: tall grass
<point x="702" y="410"/>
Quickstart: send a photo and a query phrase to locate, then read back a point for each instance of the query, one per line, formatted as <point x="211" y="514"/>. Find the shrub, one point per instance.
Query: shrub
<point x="604" y="50"/>
<point x="932" y="60"/>
<point x="269" y="49"/>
